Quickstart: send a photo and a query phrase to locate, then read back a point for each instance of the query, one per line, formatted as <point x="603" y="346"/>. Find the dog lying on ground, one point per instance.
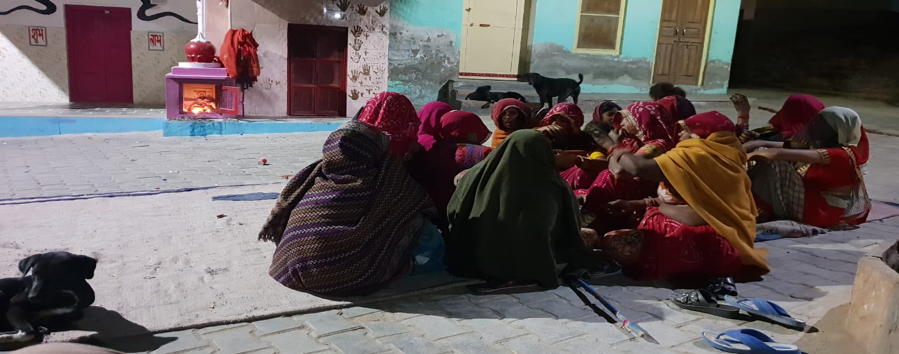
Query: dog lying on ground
<point x="483" y="93"/>
<point x="548" y="87"/>
<point x="56" y="289"/>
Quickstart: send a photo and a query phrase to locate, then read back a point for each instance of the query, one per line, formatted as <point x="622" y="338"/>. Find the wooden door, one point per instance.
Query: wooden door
<point x="99" y="54"/>
<point x="491" y="38"/>
<point x="317" y="70"/>
<point x="682" y="35"/>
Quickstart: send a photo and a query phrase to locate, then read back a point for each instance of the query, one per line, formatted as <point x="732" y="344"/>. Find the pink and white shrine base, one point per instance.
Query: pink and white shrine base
<point x="201" y="92"/>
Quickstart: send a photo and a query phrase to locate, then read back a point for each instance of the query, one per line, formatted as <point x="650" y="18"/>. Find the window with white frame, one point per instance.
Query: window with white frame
<point x="599" y="26"/>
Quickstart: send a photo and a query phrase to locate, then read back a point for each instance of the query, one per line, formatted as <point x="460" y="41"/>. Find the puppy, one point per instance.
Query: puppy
<point x="483" y="93"/>
<point x="497" y="96"/>
<point x="547" y="88"/>
<point x="480" y="94"/>
<point x="57" y="287"/>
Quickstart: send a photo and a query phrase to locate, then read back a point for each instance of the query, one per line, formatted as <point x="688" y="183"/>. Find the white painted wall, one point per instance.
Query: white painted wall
<point x="186" y="8"/>
<point x="40" y="74"/>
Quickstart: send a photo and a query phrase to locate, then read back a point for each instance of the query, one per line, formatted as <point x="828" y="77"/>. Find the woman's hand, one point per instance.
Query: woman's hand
<point x="767" y="155"/>
<point x="741" y="104"/>
<point x="748" y="136"/>
<point x="565" y="161"/>
<point x="627" y="208"/>
<point x="615" y="165"/>
<point x="757" y="144"/>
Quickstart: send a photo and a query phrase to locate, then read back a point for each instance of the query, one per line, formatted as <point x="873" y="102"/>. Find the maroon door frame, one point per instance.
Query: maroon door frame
<point x="316" y="70"/>
<point x="98" y="43"/>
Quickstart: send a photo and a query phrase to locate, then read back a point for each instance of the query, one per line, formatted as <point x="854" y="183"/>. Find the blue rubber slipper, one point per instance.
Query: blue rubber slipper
<point x="768" y="310"/>
<point x="748" y="341"/>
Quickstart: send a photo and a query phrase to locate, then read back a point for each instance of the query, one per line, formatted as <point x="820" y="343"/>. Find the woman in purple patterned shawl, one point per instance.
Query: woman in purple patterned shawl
<point x="347" y="224"/>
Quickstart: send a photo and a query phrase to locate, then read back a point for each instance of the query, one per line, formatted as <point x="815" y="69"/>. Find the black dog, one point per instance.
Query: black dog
<point x="483" y="93"/>
<point x="57" y="287"/>
<point x="547" y="88"/>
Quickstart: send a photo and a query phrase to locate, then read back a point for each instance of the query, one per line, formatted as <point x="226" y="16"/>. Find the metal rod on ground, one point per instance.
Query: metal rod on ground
<point x="626" y="323"/>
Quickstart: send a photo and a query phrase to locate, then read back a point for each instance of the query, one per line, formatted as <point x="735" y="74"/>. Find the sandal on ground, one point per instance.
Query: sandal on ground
<point x="704" y="301"/>
<point x="767" y="310"/>
<point x="510" y="287"/>
<point x="722" y="287"/>
<point x="605" y="271"/>
<point x="748" y="341"/>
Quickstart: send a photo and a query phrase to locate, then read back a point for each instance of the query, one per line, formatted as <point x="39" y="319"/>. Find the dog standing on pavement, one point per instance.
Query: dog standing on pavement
<point x="548" y="87"/>
<point x="56" y="289"/>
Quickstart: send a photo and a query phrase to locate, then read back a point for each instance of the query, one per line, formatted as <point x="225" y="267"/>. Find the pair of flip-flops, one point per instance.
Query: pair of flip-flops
<point x="748" y="341"/>
<point x="704" y="301"/>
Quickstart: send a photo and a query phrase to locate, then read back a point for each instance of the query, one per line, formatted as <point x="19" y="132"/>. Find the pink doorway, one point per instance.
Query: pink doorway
<point x="99" y="49"/>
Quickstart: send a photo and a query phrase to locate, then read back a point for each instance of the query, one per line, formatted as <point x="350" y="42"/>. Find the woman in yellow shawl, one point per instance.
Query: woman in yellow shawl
<point x="703" y="222"/>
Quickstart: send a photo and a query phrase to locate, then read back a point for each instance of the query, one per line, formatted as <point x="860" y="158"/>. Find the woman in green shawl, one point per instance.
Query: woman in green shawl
<point x="512" y="217"/>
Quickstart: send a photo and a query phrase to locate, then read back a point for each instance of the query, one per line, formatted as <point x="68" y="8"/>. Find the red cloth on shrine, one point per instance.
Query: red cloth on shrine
<point x="238" y="55"/>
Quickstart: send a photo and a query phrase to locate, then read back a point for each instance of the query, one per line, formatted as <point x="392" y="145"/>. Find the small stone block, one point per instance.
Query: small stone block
<point x="410" y="343"/>
<point x="297" y="342"/>
<point x="547" y="329"/>
<point x="177" y="342"/>
<point x="357" y="311"/>
<point x="327" y="323"/>
<point x="355" y="342"/>
<point x="385" y="328"/>
<point x="472" y="344"/>
<point x="528" y="344"/>
<point x="492" y="330"/>
<point x="561" y="309"/>
<point x="435" y="327"/>
<point x="236" y="340"/>
<point x="276" y="325"/>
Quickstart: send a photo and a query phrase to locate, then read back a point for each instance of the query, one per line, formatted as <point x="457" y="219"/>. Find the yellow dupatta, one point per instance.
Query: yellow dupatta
<point x="710" y="176"/>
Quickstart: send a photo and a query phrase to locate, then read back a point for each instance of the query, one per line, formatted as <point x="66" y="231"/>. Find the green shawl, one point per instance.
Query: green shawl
<point x="512" y="215"/>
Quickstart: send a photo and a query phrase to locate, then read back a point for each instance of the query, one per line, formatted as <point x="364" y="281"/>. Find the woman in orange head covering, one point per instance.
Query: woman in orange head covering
<point x="508" y="115"/>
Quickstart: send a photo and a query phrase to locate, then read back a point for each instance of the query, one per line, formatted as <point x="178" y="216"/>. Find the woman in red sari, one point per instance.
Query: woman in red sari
<point x="562" y="125"/>
<point x="394" y="115"/>
<point x="815" y="177"/>
<point x="509" y="115"/>
<point x="703" y="222"/>
<point x="792" y="118"/>
<point x="680" y="107"/>
<point x="647" y="130"/>
<point x="456" y="149"/>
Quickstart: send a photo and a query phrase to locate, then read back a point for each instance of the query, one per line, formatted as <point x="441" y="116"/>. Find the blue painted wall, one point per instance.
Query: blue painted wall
<point x="556" y="22"/>
<point x="417" y="23"/>
<point x="11" y="127"/>
<point x="425" y="39"/>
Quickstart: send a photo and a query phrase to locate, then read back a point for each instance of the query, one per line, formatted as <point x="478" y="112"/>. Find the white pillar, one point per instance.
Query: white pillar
<point x="201" y="21"/>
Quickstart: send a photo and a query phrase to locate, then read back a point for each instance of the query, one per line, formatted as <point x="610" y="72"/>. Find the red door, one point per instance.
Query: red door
<point x="99" y="46"/>
<point x="317" y="70"/>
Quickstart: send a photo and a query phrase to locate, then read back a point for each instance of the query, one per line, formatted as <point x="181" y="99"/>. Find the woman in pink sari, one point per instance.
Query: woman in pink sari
<point x="457" y="147"/>
<point x="646" y="129"/>
<point x="430" y="116"/>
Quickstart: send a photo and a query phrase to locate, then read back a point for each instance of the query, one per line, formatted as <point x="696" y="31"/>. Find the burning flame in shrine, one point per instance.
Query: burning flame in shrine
<point x="199" y="99"/>
<point x="202" y="107"/>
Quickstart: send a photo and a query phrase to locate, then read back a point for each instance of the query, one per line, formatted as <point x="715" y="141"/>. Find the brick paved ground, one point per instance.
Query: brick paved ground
<point x="108" y="163"/>
<point x="811" y="276"/>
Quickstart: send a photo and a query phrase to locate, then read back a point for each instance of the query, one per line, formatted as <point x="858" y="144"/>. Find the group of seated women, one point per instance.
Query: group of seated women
<point x="655" y="188"/>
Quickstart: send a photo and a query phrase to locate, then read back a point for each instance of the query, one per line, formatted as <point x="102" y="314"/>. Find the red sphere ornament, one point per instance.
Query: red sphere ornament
<point x="200" y="51"/>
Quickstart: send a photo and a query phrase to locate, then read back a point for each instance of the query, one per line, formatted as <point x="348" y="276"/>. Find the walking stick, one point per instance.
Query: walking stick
<point x="627" y="324"/>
